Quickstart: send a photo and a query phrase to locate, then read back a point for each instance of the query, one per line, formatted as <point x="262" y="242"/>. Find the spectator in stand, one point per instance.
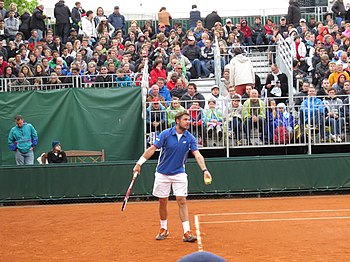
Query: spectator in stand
<point x="340" y="83"/>
<point x="12" y="25"/>
<point x="99" y="15"/>
<point x="62" y="15"/>
<point x="2" y="10"/>
<point x="191" y="95"/>
<point x="172" y="82"/>
<point x="277" y="84"/>
<point x="90" y="75"/>
<point x="184" y="61"/>
<point x="104" y="28"/>
<point x="213" y="119"/>
<point x="333" y="77"/>
<point x="154" y="93"/>
<point x="195" y="15"/>
<point x="197" y="118"/>
<point x="234" y="118"/>
<point x="241" y="71"/>
<point x="88" y="26"/>
<point x="37" y="21"/>
<point x="254" y="115"/>
<point x="211" y="19"/>
<point x="258" y="31"/>
<point x="122" y="79"/>
<point x="77" y="12"/>
<point x="20" y="83"/>
<point x="179" y="90"/>
<point x="317" y="110"/>
<point x="174" y="108"/>
<point x="3" y="64"/>
<point x="334" y="113"/>
<point x="283" y="27"/>
<point x="298" y="49"/>
<point x="207" y="59"/>
<point x="22" y="139"/>
<point x="321" y="70"/>
<point x="117" y="20"/>
<point x="300" y="96"/>
<point x="339" y="10"/>
<point x="220" y="101"/>
<point x="193" y="52"/>
<point x="103" y="78"/>
<point x="164" y="18"/>
<point x="247" y="32"/>
<point x="163" y="90"/>
<point x="156" y="120"/>
<point x="294" y="13"/>
<point x="25" y="23"/>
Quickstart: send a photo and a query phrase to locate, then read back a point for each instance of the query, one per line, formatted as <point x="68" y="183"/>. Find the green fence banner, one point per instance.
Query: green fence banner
<point x="81" y="119"/>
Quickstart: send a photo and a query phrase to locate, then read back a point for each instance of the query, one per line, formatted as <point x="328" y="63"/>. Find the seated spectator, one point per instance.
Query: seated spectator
<point x="313" y="107"/>
<point x="300" y="96"/>
<point x="154" y="93"/>
<point x="254" y="116"/>
<point x="339" y="85"/>
<point x="20" y="83"/>
<point x="156" y="72"/>
<point x="192" y="52"/>
<point x="219" y="99"/>
<point x="246" y="32"/>
<point x="258" y="32"/>
<point x="172" y="82"/>
<point x="246" y="94"/>
<point x="90" y="75"/>
<point x="344" y="93"/>
<point x="334" y="113"/>
<point x="277" y="84"/>
<point x="233" y="116"/>
<point x="207" y="59"/>
<point x="56" y="155"/>
<point x="333" y="77"/>
<point x="197" y="119"/>
<point x="122" y="79"/>
<point x="156" y="120"/>
<point x="213" y="119"/>
<point x="103" y="79"/>
<point x="192" y="94"/>
<point x="163" y="90"/>
<point x="283" y="131"/>
<point x="174" y="108"/>
<point x="54" y="82"/>
<point x="179" y="90"/>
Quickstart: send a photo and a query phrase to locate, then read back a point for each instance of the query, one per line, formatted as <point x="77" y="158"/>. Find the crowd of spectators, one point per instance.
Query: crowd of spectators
<point x="93" y="49"/>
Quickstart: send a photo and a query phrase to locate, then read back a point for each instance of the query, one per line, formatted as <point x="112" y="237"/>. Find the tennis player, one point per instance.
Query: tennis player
<point x="174" y="144"/>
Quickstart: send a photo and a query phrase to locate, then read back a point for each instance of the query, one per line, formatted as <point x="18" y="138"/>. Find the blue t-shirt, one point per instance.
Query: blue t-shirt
<point x="174" y="152"/>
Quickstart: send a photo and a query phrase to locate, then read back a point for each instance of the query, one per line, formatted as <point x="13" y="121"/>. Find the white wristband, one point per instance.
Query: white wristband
<point x="141" y="161"/>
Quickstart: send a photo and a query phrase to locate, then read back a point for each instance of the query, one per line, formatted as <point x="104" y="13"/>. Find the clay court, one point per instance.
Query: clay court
<point x="264" y="229"/>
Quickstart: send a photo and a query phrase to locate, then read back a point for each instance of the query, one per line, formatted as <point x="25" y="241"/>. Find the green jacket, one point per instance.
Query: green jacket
<point x="246" y="112"/>
<point x="171" y="112"/>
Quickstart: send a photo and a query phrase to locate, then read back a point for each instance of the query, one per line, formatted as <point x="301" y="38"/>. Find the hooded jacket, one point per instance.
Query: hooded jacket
<point x="245" y="29"/>
<point x="294" y="13"/>
<point x="22" y="138"/>
<point x="241" y="71"/>
<point x="62" y="13"/>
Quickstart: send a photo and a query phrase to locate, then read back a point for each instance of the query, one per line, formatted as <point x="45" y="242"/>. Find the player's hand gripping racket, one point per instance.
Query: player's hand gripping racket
<point x="127" y="195"/>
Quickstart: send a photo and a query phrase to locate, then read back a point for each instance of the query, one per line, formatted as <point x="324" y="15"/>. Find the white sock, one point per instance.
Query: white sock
<point x="164" y="224"/>
<point x="186" y="226"/>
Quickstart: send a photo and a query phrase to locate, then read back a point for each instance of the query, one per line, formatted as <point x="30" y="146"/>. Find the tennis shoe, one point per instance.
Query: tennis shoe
<point x="163" y="233"/>
<point x="189" y="237"/>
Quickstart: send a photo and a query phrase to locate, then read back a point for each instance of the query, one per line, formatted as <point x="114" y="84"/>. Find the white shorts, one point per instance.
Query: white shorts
<point x="163" y="183"/>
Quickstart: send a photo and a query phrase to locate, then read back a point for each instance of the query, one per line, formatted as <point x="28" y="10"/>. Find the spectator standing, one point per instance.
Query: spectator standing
<point x="211" y="19"/>
<point x="117" y="20"/>
<point x="22" y="139"/>
<point x="37" y="21"/>
<point x="241" y="71"/>
<point x="294" y="13"/>
<point x="339" y="11"/>
<point x="99" y="15"/>
<point x="12" y="25"/>
<point x="77" y="12"/>
<point x="56" y="155"/>
<point x="164" y="18"/>
<point x="88" y="26"/>
<point x="2" y="10"/>
<point x="195" y="15"/>
<point x="62" y="15"/>
<point x="25" y="23"/>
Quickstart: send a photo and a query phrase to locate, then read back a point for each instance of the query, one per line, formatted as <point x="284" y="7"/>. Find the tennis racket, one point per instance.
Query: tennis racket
<point x="127" y="195"/>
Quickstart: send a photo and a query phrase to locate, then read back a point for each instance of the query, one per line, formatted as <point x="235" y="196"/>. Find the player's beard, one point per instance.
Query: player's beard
<point x="184" y="127"/>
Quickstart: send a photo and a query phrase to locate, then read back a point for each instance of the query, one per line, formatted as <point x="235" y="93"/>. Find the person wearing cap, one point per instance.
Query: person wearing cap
<point x="22" y="140"/>
<point x="62" y="15"/>
<point x="283" y="27"/>
<point x="219" y="99"/>
<point x="302" y="26"/>
<point x="12" y="25"/>
<point x="193" y="53"/>
<point x="294" y="13"/>
<point x="117" y="20"/>
<point x="245" y="28"/>
<point x="156" y="120"/>
<point x="37" y="21"/>
<point x="228" y="27"/>
<point x="56" y="155"/>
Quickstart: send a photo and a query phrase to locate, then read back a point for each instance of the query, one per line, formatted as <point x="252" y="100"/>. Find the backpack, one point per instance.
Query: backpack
<point x="281" y="135"/>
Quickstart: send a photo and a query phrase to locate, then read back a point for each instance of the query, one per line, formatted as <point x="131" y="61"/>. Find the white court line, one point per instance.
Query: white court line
<point x="198" y="233"/>
<point x="277" y="212"/>
<point x="275" y="219"/>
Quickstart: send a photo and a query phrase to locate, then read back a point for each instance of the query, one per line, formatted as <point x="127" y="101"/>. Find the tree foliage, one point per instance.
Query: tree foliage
<point x="22" y="5"/>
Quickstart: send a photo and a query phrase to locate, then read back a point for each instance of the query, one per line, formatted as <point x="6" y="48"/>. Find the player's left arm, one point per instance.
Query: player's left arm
<point x="201" y="163"/>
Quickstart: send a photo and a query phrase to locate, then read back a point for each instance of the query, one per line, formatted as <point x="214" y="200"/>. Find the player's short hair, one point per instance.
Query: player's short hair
<point x="180" y="114"/>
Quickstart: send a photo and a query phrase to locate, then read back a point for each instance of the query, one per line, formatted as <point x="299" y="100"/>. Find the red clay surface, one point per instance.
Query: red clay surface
<point x="101" y="232"/>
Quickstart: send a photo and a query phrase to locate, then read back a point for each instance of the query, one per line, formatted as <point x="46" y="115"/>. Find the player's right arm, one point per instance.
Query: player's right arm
<point x="145" y="156"/>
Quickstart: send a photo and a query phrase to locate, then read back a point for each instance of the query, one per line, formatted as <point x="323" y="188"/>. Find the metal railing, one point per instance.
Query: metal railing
<point x="303" y="125"/>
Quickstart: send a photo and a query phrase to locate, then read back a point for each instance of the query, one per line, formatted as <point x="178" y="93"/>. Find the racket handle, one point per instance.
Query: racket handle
<point x="134" y="175"/>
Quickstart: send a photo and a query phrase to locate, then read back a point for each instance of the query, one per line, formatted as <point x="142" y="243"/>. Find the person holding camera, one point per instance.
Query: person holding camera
<point x="277" y="85"/>
<point x="56" y="155"/>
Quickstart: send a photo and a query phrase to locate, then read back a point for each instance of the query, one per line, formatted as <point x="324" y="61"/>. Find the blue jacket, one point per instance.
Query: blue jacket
<point x="117" y="21"/>
<point x="22" y="138"/>
<point x="316" y="107"/>
<point x="164" y="92"/>
<point x="159" y="115"/>
<point x="124" y="81"/>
